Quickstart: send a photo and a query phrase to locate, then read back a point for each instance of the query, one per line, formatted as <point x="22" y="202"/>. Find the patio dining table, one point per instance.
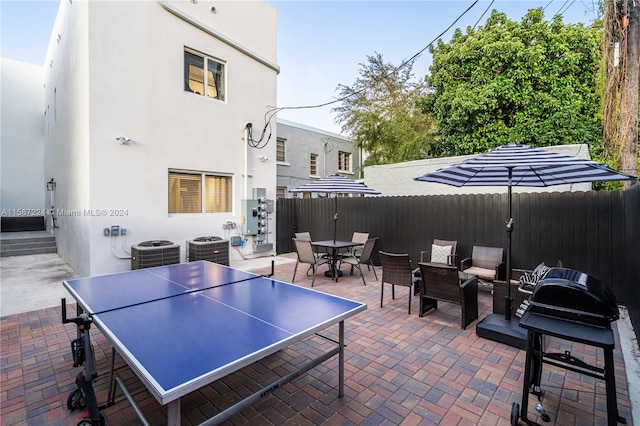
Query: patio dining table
<point x="334" y="246"/>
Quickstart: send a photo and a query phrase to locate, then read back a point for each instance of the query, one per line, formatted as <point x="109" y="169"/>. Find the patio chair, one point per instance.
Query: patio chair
<point x="306" y="236"/>
<point x="305" y="253"/>
<point x="365" y="258"/>
<point x="517" y="296"/>
<point x="396" y="270"/>
<point x="484" y="262"/>
<point x="442" y="251"/>
<point x="500" y="292"/>
<point x="445" y="283"/>
<point x="358" y="237"/>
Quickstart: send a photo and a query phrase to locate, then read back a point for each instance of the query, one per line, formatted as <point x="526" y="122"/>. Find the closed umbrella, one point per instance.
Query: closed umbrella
<point x="520" y="165"/>
<point x="335" y="184"/>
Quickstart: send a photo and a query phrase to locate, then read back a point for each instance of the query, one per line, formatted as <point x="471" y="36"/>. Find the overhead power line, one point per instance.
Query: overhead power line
<point x="272" y="112"/>
<point x="565" y="6"/>
<point x="483" y="13"/>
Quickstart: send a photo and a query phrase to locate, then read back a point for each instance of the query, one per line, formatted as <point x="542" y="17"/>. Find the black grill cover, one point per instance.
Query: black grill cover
<point x="573" y="295"/>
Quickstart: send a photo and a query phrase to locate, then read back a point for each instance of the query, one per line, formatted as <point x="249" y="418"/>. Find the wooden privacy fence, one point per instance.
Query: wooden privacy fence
<point x="596" y="232"/>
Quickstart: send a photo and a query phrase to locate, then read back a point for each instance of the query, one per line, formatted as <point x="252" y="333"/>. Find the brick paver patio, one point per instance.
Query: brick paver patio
<point x="399" y="369"/>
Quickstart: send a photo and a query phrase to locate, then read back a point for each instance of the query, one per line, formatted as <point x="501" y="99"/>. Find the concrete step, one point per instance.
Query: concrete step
<point x="27" y="246"/>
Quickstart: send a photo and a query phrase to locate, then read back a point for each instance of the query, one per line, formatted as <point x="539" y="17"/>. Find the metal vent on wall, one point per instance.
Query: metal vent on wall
<point x="213" y="249"/>
<point x="152" y="253"/>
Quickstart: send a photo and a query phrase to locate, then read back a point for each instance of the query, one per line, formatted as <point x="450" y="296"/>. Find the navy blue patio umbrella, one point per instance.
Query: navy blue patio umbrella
<point x="519" y="165"/>
<point x="335" y="184"/>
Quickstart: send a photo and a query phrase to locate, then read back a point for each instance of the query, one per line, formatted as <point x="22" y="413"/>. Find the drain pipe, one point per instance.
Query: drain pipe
<point x="247" y="128"/>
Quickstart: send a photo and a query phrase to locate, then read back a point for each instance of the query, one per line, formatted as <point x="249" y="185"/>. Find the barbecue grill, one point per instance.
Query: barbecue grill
<point x="573" y="295"/>
<point x="574" y="306"/>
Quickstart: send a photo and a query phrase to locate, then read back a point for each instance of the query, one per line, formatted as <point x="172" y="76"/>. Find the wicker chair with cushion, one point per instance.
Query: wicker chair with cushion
<point x="442" y="251"/>
<point x="305" y="253"/>
<point x="446" y="283"/>
<point x="396" y="270"/>
<point x="484" y="262"/>
<point x="365" y="258"/>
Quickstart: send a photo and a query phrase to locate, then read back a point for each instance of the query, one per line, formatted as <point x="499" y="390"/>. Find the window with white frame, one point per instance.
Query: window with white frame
<point x="313" y="164"/>
<point x="280" y="144"/>
<point x="281" y="192"/>
<point x="198" y="192"/>
<point x="204" y="75"/>
<point x="344" y="161"/>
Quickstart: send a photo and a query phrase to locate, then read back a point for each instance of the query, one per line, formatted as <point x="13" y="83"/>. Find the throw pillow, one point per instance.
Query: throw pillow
<point x="440" y="254"/>
<point x="540" y="270"/>
<point x="531" y="279"/>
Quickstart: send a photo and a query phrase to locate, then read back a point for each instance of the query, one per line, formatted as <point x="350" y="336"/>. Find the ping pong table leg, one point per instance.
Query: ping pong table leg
<point x="112" y="379"/>
<point x="341" y="360"/>
<point x="173" y="413"/>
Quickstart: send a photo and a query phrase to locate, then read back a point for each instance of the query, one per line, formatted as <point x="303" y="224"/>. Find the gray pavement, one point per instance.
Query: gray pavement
<point x="29" y="283"/>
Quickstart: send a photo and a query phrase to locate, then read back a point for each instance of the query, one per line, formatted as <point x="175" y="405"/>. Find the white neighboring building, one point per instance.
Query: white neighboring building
<point x="146" y="104"/>
<point x="22" y="135"/>
<point x="398" y="179"/>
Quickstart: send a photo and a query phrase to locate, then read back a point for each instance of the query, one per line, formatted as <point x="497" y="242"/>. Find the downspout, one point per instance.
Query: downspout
<point x="361" y="164"/>
<point x="246" y="160"/>
<point x="324" y="160"/>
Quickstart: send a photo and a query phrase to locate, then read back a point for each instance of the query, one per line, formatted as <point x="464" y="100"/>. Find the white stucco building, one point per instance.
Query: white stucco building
<point x="398" y="179"/>
<point x="22" y="133"/>
<point x="145" y="110"/>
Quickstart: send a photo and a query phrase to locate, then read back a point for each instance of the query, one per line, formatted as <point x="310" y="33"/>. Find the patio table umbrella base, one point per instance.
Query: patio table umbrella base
<point x="499" y="329"/>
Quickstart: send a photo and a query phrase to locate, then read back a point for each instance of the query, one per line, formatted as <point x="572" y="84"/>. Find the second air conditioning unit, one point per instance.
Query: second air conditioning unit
<point x="213" y="249"/>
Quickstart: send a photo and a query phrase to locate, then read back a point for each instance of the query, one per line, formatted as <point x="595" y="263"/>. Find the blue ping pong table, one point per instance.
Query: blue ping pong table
<point x="202" y="321"/>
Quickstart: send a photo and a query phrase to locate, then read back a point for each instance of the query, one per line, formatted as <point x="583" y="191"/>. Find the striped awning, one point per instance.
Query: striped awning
<point x="335" y="184"/>
<point x="527" y="165"/>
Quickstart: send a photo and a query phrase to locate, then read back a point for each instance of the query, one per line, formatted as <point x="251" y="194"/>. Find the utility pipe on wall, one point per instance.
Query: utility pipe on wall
<point x="246" y="160"/>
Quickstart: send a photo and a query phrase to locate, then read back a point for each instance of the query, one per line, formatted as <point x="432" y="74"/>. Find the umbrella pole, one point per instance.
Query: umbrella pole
<point x="335" y="220"/>
<point x="507" y="301"/>
<point x="495" y="326"/>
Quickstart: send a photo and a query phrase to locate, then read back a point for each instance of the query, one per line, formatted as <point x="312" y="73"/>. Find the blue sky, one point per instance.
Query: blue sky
<point x="321" y="44"/>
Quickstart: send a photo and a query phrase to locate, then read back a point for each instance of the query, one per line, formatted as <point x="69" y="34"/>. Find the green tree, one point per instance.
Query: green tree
<point x="379" y="112"/>
<point x="531" y="82"/>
